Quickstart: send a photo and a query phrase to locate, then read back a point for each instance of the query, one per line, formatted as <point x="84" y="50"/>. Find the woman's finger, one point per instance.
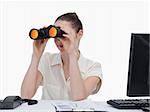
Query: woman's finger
<point x="66" y="35"/>
<point x="45" y="41"/>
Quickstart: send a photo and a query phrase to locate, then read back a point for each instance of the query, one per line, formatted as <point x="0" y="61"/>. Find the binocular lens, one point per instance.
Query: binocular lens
<point x="34" y="33"/>
<point x="52" y="32"/>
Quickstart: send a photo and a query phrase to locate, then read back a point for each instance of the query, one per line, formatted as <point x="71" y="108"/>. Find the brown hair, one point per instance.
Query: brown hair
<point x="73" y="19"/>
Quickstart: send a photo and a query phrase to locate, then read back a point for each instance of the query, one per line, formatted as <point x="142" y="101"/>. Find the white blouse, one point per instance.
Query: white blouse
<point x="55" y="86"/>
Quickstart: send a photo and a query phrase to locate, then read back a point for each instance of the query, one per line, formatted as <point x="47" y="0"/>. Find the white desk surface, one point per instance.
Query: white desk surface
<point x="48" y="106"/>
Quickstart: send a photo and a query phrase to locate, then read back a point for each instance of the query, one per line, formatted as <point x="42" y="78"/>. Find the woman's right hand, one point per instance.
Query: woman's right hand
<point x="38" y="48"/>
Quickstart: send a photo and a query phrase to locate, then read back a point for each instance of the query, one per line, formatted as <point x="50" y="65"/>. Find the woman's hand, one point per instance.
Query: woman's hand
<point x="70" y="43"/>
<point x="38" y="48"/>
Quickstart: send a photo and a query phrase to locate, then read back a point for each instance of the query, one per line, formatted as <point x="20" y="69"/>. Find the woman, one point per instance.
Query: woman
<point x="66" y="75"/>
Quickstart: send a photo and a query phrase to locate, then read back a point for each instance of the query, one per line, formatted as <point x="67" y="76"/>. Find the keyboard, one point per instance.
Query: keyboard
<point x="129" y="103"/>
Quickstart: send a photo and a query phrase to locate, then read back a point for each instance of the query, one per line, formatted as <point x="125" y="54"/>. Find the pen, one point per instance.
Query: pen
<point x="84" y="110"/>
<point x="87" y="110"/>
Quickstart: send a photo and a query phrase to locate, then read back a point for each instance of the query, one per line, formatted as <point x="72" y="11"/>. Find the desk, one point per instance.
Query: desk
<point x="48" y="106"/>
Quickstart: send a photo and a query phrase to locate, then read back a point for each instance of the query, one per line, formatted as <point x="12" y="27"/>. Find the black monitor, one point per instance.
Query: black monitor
<point x="139" y="66"/>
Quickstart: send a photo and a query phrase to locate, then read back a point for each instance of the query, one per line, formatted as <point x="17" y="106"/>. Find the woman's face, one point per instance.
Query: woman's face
<point x="66" y="27"/>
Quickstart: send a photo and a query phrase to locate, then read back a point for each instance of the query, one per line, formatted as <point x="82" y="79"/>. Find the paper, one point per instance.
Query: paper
<point x="84" y="105"/>
<point x="64" y="106"/>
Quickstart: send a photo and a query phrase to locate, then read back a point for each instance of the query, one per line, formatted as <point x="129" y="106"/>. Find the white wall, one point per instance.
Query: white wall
<point x="107" y="30"/>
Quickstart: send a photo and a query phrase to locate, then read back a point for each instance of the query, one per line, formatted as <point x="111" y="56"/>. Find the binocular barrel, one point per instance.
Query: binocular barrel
<point x="48" y="32"/>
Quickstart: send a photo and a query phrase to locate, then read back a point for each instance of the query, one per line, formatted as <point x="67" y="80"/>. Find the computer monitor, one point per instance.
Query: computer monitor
<point x="139" y="66"/>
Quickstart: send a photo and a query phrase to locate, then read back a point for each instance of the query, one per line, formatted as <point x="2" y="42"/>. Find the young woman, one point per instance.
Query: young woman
<point x="66" y="75"/>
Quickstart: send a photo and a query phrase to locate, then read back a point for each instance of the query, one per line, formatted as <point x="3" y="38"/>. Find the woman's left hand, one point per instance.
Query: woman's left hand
<point x="70" y="43"/>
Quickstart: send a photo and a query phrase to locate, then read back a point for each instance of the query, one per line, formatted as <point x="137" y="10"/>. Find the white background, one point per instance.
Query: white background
<point x="108" y="25"/>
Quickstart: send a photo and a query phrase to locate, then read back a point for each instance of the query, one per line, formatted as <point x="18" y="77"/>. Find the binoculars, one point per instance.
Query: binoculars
<point x="48" y="32"/>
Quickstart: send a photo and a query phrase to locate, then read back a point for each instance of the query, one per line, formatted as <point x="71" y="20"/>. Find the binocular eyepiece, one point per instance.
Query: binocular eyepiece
<point x="48" y="32"/>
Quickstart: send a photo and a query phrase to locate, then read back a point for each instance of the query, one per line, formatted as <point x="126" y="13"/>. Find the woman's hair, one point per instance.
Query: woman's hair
<point x="73" y="19"/>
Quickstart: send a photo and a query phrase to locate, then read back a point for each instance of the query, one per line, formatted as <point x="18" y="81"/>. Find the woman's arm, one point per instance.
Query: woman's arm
<point x="33" y="77"/>
<point x="81" y="89"/>
<point x="31" y="80"/>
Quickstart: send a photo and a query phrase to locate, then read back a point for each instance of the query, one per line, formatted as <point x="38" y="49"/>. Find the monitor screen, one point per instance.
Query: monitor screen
<point x="139" y="66"/>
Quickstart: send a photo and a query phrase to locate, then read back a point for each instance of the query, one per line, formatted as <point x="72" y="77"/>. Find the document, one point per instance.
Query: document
<point x="84" y="105"/>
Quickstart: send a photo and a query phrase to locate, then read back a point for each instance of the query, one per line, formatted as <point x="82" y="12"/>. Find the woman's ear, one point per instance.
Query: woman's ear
<point x="80" y="34"/>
